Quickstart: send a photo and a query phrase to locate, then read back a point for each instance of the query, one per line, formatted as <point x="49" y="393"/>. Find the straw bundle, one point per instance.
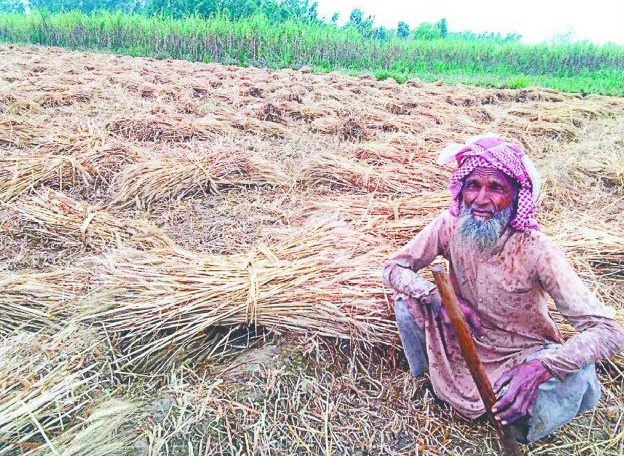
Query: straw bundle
<point x="336" y="170"/>
<point x="98" y="433"/>
<point x="271" y="113"/>
<point x="16" y="132"/>
<point x="598" y="243"/>
<point x="295" y="93"/>
<point x="18" y="174"/>
<point x="346" y="129"/>
<point x="63" y="222"/>
<point x="155" y="300"/>
<point x="61" y="96"/>
<point x="378" y="153"/>
<point x="46" y="381"/>
<point x="425" y="203"/>
<point x="170" y="130"/>
<point x="384" y="216"/>
<point x="332" y="169"/>
<point x="259" y="127"/>
<point x="308" y="113"/>
<point x="28" y="301"/>
<point x="167" y="177"/>
<point x="608" y="167"/>
<point x="573" y="112"/>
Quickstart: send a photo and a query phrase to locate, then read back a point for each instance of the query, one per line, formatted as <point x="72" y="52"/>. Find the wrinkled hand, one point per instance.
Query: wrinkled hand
<point x="523" y="381"/>
<point x="475" y="326"/>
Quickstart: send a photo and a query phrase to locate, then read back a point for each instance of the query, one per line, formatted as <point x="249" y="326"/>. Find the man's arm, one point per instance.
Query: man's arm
<point x="400" y="271"/>
<point x="600" y="335"/>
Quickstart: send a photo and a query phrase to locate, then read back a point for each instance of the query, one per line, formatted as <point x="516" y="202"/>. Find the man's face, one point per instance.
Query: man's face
<point x="486" y="207"/>
<point x="487" y="191"/>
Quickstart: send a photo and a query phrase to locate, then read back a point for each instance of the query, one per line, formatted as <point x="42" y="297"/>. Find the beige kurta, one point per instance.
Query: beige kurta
<point x="508" y="291"/>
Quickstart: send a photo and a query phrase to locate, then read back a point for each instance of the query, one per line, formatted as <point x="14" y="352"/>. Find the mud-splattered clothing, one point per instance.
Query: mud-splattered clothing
<point x="507" y="289"/>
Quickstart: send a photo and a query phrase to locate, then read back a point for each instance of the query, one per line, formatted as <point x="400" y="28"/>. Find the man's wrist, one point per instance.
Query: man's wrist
<point x="434" y="300"/>
<point x="544" y="374"/>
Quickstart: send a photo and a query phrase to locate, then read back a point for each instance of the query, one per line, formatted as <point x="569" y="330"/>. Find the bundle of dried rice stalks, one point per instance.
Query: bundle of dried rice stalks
<point x="28" y="301"/>
<point x="260" y="127"/>
<point x="54" y="97"/>
<point x="18" y="174"/>
<point x="336" y="170"/>
<point x="608" y="167"/>
<point x="169" y="130"/>
<point x="360" y="207"/>
<point x="46" y="383"/>
<point x="167" y="177"/>
<point x="391" y="220"/>
<point x="63" y="222"/>
<point x="378" y="153"/>
<point x="102" y="432"/>
<point x="16" y="132"/>
<point x="158" y="300"/>
<point x="350" y="129"/>
<point x="589" y="239"/>
<point x="331" y="169"/>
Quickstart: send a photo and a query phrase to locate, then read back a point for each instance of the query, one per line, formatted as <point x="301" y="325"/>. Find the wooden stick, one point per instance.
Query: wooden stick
<point x="466" y="344"/>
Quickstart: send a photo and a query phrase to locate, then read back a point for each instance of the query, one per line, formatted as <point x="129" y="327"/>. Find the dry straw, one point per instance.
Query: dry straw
<point x="63" y="222"/>
<point x="167" y="130"/>
<point x="19" y="174"/>
<point x="361" y="149"/>
<point x="155" y="299"/>
<point x="341" y="172"/>
<point x="46" y="383"/>
<point x="167" y="177"/>
<point x="28" y="301"/>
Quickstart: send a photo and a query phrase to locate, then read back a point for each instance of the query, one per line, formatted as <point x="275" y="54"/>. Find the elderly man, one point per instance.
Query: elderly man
<point x="502" y="267"/>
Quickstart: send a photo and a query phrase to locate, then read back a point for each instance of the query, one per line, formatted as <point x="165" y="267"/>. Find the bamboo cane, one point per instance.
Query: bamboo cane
<point x="467" y="347"/>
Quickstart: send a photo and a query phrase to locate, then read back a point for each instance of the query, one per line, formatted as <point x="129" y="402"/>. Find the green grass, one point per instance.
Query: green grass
<point x="256" y="41"/>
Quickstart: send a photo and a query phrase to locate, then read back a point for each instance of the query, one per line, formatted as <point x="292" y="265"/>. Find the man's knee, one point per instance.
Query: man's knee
<point x="558" y="402"/>
<point x="401" y="311"/>
<point x="412" y="338"/>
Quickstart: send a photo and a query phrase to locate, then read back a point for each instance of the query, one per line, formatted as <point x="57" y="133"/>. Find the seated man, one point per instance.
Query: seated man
<point x="501" y="267"/>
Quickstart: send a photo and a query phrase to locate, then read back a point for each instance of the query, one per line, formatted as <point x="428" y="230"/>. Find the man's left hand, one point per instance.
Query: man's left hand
<point x="523" y="381"/>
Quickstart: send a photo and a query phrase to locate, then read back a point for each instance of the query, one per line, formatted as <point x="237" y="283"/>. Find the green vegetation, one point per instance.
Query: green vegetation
<point x="261" y="40"/>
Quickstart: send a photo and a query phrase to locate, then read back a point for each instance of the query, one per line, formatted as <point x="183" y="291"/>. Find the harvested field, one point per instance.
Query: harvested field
<point x="190" y="254"/>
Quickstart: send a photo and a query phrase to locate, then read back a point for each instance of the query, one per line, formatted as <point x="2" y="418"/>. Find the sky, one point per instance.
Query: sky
<point x="536" y="20"/>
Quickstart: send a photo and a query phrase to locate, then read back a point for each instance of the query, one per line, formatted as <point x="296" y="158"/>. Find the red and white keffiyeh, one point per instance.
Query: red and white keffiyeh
<point x="491" y="151"/>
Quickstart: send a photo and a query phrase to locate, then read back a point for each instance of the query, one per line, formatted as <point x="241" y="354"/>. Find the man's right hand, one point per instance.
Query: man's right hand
<point x="470" y="316"/>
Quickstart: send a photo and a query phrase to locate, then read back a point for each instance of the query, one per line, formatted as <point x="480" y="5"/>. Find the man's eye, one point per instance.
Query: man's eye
<point x="472" y="184"/>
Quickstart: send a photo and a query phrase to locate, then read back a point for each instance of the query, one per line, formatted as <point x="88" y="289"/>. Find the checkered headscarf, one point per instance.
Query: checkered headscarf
<point x="491" y="151"/>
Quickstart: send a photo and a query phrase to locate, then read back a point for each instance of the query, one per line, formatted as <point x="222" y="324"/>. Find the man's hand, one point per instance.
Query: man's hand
<point x="523" y="381"/>
<point x="475" y="326"/>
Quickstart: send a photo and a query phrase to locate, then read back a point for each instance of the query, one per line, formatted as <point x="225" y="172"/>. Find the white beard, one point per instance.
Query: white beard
<point x="480" y="233"/>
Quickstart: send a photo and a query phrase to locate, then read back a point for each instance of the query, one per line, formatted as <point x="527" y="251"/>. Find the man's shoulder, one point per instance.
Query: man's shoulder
<point x="533" y="243"/>
<point x="445" y="223"/>
<point x="445" y="217"/>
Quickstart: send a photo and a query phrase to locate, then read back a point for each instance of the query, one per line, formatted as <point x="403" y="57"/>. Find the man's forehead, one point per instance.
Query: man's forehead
<point x="490" y="173"/>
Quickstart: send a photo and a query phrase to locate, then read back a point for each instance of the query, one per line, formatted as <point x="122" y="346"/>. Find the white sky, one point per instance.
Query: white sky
<point x="536" y="20"/>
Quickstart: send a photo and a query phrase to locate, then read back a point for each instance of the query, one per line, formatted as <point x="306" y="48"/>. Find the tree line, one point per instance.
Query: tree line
<point x="274" y="10"/>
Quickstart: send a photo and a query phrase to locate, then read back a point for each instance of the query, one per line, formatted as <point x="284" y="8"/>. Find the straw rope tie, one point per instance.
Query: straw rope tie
<point x="212" y="184"/>
<point x="83" y="227"/>
<point x="251" y="311"/>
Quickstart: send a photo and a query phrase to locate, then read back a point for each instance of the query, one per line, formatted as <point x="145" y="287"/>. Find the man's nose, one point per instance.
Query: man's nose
<point x="482" y="198"/>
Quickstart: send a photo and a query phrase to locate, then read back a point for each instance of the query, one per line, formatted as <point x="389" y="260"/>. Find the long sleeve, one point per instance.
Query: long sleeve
<point x="600" y="335"/>
<point x="400" y="272"/>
